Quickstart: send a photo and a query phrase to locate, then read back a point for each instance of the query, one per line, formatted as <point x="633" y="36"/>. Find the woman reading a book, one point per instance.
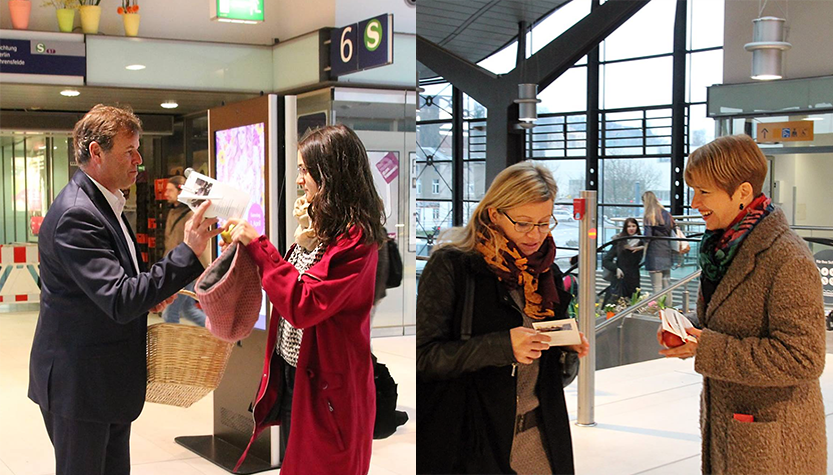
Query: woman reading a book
<point x="489" y="387"/>
<point x="318" y="371"/>
<point x="762" y="346"/>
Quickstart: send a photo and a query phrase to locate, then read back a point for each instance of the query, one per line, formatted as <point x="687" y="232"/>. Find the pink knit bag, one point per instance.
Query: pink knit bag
<point x="229" y="292"/>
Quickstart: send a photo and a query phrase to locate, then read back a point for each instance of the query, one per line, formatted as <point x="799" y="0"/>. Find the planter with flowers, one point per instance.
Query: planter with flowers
<point x="90" y="16"/>
<point x="65" y="11"/>
<point x="129" y="10"/>
<point x="19" y="11"/>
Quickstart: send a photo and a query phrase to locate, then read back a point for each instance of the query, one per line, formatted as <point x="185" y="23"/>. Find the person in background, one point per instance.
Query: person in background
<point x="322" y="294"/>
<point x="178" y="215"/>
<point x="494" y="403"/>
<point x="762" y="346"/>
<point x="658" y="255"/>
<point x="624" y="258"/>
<point x="88" y="366"/>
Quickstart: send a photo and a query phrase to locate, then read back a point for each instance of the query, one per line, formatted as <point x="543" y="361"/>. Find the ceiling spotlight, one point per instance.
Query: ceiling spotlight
<point x="766" y="47"/>
<point x="135" y="67"/>
<point x="169" y="105"/>
<point x="527" y="105"/>
<point x="70" y="93"/>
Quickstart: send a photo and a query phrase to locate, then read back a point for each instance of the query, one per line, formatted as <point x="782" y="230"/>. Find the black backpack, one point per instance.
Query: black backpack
<point x="387" y="417"/>
<point x="394" y="266"/>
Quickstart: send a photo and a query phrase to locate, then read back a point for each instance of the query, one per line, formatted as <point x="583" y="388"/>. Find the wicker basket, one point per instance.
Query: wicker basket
<point x="184" y="363"/>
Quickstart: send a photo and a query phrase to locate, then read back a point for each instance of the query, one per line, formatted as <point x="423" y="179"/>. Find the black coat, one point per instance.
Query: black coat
<point x="618" y="256"/>
<point x="88" y="355"/>
<point x="466" y="390"/>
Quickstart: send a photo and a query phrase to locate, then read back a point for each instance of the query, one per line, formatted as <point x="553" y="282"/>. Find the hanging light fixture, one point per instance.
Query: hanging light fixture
<point x="527" y="104"/>
<point x="766" y="47"/>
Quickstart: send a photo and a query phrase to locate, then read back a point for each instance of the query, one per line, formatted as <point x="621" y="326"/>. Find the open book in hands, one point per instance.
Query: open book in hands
<point x="561" y="332"/>
<point x="674" y="326"/>
<point x="226" y="200"/>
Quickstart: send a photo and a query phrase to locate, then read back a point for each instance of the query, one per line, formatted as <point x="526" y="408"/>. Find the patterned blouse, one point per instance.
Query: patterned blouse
<point x="289" y="339"/>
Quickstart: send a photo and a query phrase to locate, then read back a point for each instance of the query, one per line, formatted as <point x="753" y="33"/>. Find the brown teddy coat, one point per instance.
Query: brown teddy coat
<point x="761" y="353"/>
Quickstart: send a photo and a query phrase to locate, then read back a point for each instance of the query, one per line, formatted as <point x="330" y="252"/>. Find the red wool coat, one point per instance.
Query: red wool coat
<point x="334" y="404"/>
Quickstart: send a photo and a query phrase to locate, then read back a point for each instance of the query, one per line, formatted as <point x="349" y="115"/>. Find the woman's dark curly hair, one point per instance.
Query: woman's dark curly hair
<point x="337" y="161"/>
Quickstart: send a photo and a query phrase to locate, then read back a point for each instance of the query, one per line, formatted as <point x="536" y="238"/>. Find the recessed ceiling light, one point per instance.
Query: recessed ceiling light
<point x="70" y="93"/>
<point x="169" y="105"/>
<point x="135" y="67"/>
<point x="814" y="118"/>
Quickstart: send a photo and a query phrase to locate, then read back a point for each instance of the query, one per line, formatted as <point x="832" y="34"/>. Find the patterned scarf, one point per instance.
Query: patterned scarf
<point x="719" y="247"/>
<point x="532" y="273"/>
<point x="304" y="234"/>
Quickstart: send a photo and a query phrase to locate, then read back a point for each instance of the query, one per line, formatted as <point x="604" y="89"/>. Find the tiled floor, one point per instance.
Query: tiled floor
<point x="25" y="448"/>
<point x="647" y="417"/>
<point x="646" y="414"/>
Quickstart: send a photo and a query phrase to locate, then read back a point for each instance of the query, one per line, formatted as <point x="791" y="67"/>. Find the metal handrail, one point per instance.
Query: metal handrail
<point x="812" y="228"/>
<point x="644" y="303"/>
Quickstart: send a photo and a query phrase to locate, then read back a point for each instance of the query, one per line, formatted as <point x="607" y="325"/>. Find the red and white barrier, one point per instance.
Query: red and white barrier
<point x="19" y="273"/>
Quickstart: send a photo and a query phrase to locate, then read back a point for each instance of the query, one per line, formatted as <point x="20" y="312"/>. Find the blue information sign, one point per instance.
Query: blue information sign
<point x="361" y="46"/>
<point x="43" y="57"/>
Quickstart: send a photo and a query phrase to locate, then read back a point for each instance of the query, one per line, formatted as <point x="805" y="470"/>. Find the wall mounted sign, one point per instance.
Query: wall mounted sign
<point x="364" y="45"/>
<point x="237" y="11"/>
<point x="42" y="57"/>
<point x="793" y="131"/>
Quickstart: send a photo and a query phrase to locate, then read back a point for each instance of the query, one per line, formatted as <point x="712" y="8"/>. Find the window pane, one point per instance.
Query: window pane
<point x="472" y="109"/>
<point x="474" y="181"/>
<point x="435" y="102"/>
<point x="650" y="31"/>
<point x="704" y="70"/>
<point x="475" y="132"/>
<point x="558" y="22"/>
<point x="700" y="127"/>
<point x="568" y="93"/>
<point x="569" y="176"/>
<point x="432" y="217"/>
<point x="559" y="136"/>
<point x="611" y="220"/>
<point x="705" y="25"/>
<point x="624" y="180"/>
<point x="503" y="61"/>
<point x="434" y="142"/>
<point x="643" y="82"/>
<point x="36" y="200"/>
<point x="434" y="181"/>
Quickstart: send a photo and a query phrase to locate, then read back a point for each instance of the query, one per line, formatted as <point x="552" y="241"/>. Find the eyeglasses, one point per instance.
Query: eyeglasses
<point x="525" y="228"/>
<point x="302" y="170"/>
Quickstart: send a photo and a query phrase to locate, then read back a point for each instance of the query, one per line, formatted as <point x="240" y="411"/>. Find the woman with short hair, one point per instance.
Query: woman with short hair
<point x="762" y="347"/>
<point x="494" y="403"/>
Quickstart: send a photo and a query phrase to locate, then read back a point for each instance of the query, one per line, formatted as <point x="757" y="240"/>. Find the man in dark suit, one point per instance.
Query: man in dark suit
<point x="87" y="369"/>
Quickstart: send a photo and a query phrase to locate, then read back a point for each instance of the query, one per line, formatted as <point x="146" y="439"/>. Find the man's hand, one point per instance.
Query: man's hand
<point x="242" y="232"/>
<point x="527" y="344"/>
<point x="163" y="304"/>
<point x="198" y="231"/>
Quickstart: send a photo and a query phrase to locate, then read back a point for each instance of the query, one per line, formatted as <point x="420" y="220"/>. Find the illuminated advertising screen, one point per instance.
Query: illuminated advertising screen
<point x="241" y="162"/>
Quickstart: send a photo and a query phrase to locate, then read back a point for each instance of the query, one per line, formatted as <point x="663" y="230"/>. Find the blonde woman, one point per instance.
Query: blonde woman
<point x="494" y="403"/>
<point x="658" y="255"/>
<point x="762" y="347"/>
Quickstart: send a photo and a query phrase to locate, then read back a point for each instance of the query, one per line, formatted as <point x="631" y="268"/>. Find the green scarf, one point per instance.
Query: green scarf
<point x="719" y="247"/>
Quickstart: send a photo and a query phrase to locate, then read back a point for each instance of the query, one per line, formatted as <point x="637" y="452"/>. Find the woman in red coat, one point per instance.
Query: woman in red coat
<point x="322" y="295"/>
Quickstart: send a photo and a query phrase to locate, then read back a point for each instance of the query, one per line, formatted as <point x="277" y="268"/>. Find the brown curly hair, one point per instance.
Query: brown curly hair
<point x="337" y="161"/>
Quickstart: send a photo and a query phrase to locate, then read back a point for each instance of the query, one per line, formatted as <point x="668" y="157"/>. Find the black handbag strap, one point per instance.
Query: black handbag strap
<point x="468" y="309"/>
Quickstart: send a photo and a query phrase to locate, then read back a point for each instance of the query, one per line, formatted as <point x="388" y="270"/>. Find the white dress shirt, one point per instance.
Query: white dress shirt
<point x="117" y="202"/>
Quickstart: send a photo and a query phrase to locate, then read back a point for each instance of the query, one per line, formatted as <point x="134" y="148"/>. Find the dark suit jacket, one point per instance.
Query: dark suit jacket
<point x="88" y="356"/>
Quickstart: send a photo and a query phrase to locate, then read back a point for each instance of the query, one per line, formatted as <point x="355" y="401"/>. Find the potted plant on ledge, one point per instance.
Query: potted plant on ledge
<point x="129" y="10"/>
<point x="65" y="11"/>
<point x="90" y="16"/>
<point x="19" y="11"/>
